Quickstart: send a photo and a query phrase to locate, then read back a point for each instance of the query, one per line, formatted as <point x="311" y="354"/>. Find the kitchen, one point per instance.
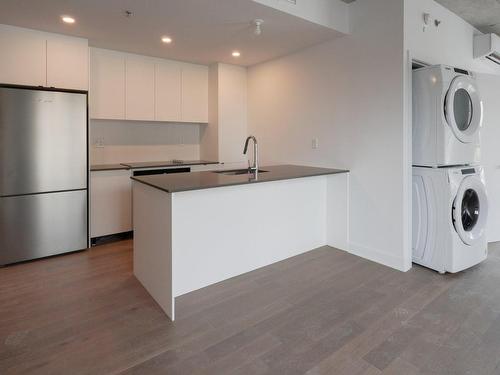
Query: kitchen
<point x="174" y="90"/>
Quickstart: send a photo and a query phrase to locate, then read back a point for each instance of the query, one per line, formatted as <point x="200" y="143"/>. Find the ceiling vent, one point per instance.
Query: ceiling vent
<point x="487" y="45"/>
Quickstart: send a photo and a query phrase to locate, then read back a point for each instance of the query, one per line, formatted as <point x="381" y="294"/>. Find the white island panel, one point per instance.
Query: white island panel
<point x="224" y="232"/>
<point x="152" y="244"/>
<point x="184" y="241"/>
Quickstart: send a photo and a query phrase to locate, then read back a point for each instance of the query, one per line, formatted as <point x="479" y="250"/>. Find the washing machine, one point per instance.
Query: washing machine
<point x="447" y="117"/>
<point x="450" y="211"/>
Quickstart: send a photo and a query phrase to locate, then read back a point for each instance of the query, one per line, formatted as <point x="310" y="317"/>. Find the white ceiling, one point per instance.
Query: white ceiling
<point x="483" y="14"/>
<point x="204" y="31"/>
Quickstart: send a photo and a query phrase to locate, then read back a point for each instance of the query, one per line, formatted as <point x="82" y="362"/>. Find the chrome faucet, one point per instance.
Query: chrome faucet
<point x="255" y="166"/>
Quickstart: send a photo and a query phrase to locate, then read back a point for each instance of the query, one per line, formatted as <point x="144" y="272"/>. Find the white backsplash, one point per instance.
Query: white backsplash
<point x="135" y="141"/>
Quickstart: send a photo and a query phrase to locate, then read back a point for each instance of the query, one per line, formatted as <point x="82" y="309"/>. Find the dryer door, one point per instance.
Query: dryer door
<point x="470" y="210"/>
<point x="464" y="108"/>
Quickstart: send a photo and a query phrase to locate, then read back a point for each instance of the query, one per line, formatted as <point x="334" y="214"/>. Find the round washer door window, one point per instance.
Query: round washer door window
<point x="470" y="210"/>
<point x="463" y="109"/>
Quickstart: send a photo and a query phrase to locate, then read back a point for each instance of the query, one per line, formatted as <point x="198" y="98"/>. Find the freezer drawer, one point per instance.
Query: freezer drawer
<point x="43" y="141"/>
<point x="35" y="226"/>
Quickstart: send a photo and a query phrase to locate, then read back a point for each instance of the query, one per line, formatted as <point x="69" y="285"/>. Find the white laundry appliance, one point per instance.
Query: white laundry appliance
<point x="450" y="210"/>
<point x="447" y="117"/>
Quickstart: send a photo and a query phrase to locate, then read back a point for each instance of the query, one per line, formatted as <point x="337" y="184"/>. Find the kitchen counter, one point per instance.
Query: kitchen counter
<point x="149" y="164"/>
<point x="189" y="234"/>
<point x="168" y="163"/>
<point x="173" y="183"/>
<point x="107" y="167"/>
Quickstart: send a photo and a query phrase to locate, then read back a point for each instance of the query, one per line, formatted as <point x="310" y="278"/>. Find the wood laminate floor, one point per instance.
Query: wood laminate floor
<point x="323" y="312"/>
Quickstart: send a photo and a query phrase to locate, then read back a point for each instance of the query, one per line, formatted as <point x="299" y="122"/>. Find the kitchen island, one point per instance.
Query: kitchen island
<point x="195" y="229"/>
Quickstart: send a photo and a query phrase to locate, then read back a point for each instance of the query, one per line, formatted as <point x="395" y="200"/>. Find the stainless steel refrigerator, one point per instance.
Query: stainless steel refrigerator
<point x="43" y="173"/>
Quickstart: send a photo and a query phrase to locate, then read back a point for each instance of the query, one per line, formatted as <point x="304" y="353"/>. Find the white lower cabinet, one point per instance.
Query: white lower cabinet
<point x="110" y="202"/>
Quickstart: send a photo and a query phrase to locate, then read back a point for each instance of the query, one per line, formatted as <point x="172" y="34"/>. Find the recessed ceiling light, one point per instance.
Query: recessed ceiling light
<point x="166" y="39"/>
<point x="236" y="54"/>
<point x="67" y="19"/>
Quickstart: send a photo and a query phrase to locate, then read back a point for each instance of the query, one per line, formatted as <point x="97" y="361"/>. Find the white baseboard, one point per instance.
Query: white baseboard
<point x="378" y="256"/>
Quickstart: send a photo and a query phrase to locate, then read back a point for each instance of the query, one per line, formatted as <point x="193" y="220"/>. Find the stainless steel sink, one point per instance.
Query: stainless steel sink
<point x="234" y="172"/>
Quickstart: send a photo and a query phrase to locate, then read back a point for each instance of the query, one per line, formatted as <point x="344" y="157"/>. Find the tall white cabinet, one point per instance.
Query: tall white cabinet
<point x="35" y="58"/>
<point x="223" y="138"/>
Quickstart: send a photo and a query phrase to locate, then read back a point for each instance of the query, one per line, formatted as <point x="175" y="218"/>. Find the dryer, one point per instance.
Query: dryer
<point x="447" y="117"/>
<point x="450" y="211"/>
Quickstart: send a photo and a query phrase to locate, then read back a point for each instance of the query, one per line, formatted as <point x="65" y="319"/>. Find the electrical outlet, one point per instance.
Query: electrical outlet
<point x="99" y="142"/>
<point x="315" y="143"/>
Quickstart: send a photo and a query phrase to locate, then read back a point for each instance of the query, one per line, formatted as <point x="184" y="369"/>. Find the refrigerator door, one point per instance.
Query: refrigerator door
<point x="35" y="226"/>
<point x="43" y="141"/>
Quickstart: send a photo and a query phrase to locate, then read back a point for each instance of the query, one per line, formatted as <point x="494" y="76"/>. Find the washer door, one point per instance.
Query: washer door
<point x="464" y="108"/>
<point x="470" y="210"/>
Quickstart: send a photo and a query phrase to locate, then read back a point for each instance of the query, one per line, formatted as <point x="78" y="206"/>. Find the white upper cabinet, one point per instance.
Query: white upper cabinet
<point x="168" y="91"/>
<point x="107" y="84"/>
<point x="194" y="93"/>
<point x="139" y="88"/>
<point x="35" y="58"/>
<point x="23" y="56"/>
<point x="126" y="86"/>
<point x="67" y="63"/>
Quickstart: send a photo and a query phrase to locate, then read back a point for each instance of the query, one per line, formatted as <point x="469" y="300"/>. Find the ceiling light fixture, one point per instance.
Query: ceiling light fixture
<point x="258" y="26"/>
<point x="67" y="19"/>
<point x="166" y="39"/>
<point x="236" y="54"/>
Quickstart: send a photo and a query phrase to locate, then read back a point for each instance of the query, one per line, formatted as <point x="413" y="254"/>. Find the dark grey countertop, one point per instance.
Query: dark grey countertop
<point x="149" y="164"/>
<point x="173" y="183"/>
<point x="107" y="167"/>
<point x="167" y="163"/>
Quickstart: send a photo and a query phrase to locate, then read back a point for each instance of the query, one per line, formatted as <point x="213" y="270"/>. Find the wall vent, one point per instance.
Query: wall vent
<point x="487" y="45"/>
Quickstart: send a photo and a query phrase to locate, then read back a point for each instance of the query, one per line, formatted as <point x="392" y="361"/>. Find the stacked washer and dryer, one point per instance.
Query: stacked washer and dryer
<point x="450" y="206"/>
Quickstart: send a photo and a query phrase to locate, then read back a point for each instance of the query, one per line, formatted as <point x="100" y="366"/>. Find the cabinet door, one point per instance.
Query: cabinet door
<point x="67" y="63"/>
<point x="110" y="202"/>
<point x="194" y="93"/>
<point x="23" y="57"/>
<point x="139" y="88"/>
<point x="168" y="91"/>
<point x="107" y="84"/>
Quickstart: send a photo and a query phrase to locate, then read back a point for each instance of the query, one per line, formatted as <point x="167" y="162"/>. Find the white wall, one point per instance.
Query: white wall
<point x="134" y="141"/>
<point x="349" y="94"/>
<point x="330" y="13"/>
<point x="451" y="43"/>
<point x="489" y="86"/>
